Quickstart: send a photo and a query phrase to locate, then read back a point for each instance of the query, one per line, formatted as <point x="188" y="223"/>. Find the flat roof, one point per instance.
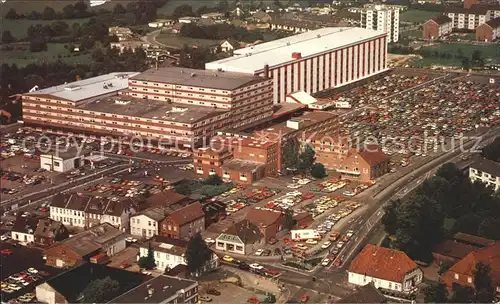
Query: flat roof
<point x="306" y="120"/>
<point x="198" y="78"/>
<point x="240" y="165"/>
<point x="278" y="52"/>
<point x="149" y="108"/>
<point x="87" y="88"/>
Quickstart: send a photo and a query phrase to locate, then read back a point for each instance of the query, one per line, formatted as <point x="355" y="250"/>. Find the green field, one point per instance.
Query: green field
<point x="491" y="53"/>
<point x="18" y="28"/>
<point x="417" y="16"/>
<point x="175" y="41"/>
<point x="21" y="56"/>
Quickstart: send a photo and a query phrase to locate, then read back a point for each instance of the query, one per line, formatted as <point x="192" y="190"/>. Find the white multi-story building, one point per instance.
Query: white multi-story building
<point x="388" y="269"/>
<point x="313" y="61"/>
<point x="169" y="253"/>
<point x="469" y="19"/>
<point x="487" y="172"/>
<point x="147" y="223"/>
<point x="381" y="18"/>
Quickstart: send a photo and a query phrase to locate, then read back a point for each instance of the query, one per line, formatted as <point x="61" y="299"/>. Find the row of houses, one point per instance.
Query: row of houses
<point x="484" y="20"/>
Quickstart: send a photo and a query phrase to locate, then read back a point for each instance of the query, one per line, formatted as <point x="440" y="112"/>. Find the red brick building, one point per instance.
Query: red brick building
<point x="488" y="31"/>
<point x="365" y="165"/>
<point x="437" y="27"/>
<point x="462" y="272"/>
<point x="184" y="222"/>
<point x="269" y="221"/>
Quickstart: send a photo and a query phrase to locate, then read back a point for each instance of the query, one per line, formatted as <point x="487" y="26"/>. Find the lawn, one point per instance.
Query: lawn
<point x="18" y="28"/>
<point x="55" y="51"/>
<point x="491" y="53"/>
<point x="177" y="42"/>
<point x="417" y="16"/>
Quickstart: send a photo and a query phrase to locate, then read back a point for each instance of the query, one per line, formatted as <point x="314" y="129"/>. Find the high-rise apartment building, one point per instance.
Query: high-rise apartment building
<point x="383" y="19"/>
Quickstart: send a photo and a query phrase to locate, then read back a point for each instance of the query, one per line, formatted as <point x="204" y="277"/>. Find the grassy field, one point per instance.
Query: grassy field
<point x="178" y="42"/>
<point x="417" y="16"/>
<point x="18" y="28"/>
<point x="491" y="53"/>
<point x="55" y="51"/>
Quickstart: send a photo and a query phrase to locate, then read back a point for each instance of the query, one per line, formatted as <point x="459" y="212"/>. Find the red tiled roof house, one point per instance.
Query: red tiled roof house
<point x="184" y="222"/>
<point x="437" y="27"/>
<point x="388" y="269"/>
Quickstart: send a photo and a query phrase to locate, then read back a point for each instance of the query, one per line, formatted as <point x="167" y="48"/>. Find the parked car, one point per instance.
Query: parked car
<point x="205" y="299"/>
<point x="213" y="292"/>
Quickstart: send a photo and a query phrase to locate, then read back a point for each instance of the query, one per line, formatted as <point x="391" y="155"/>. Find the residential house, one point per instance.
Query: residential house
<point x="365" y="165"/>
<point x="229" y="45"/>
<point x="169" y="253"/>
<point x="184" y="223"/>
<point x="462" y="273"/>
<point x="218" y="17"/>
<point x="123" y="33"/>
<point x="168" y="200"/>
<point x="368" y="294"/>
<point x="146" y="223"/>
<point x="437" y="27"/>
<point x="67" y="287"/>
<point x="78" y="210"/>
<point x="242" y="237"/>
<point x="388" y="269"/>
<point x="451" y="251"/>
<point x="485" y="171"/>
<point x="129" y="44"/>
<point x="260" y="17"/>
<point x="23" y="230"/>
<point x="188" y="19"/>
<point x="103" y="238"/>
<point x="161" y="290"/>
<point x="269" y="221"/>
<point x="48" y="232"/>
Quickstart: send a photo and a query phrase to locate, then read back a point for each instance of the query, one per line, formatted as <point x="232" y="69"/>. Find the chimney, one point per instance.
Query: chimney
<point x="266" y="71"/>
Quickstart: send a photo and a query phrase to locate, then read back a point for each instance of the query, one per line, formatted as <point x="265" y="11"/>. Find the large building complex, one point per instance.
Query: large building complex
<point x="313" y="61"/>
<point x="171" y="105"/>
<point x="383" y="19"/>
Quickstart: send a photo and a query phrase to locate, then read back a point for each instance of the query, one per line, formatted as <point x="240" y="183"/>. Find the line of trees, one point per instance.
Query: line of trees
<point x="71" y="11"/>
<point x="302" y="160"/>
<point x="492" y="151"/>
<point x="416" y="224"/>
<point x="219" y="32"/>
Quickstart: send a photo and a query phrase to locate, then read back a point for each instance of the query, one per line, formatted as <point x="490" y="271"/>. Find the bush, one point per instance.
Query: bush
<point x="318" y="170"/>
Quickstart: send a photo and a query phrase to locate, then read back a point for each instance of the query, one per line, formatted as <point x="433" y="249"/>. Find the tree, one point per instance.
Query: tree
<point x="492" y="151"/>
<point x="7" y="37"/>
<point x="147" y="262"/>
<point x="485" y="292"/>
<point x="462" y="294"/>
<point x="119" y="9"/>
<point x="306" y="158"/>
<point x="436" y="293"/>
<point x="197" y="255"/>
<point x="214" y="180"/>
<point x="466" y="63"/>
<point x="38" y="44"/>
<point x="49" y="13"/>
<point x="101" y="290"/>
<point x="390" y="217"/>
<point x="182" y="11"/>
<point x="318" y="170"/>
<point x="11" y="14"/>
<point x="290" y="221"/>
<point x="271" y="298"/>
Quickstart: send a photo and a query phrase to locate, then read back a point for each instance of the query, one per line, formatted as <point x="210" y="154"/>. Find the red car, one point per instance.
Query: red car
<point x="6" y="252"/>
<point x="124" y="265"/>
<point x="304" y="299"/>
<point x="44" y="209"/>
<point x="272" y="272"/>
<point x="253" y="300"/>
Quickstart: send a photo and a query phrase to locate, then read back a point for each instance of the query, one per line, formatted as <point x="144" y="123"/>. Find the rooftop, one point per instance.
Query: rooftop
<point x="245" y="230"/>
<point x="93" y="239"/>
<point x="187" y="214"/>
<point x="494" y="23"/>
<point x="156" y="290"/>
<point x="364" y="294"/>
<point x="454" y="249"/>
<point x="263" y="216"/>
<point x="154" y="109"/>
<point x="87" y="88"/>
<point x="198" y="78"/>
<point x="171" y="246"/>
<point x="486" y="165"/>
<point x="67" y="153"/>
<point x="473" y="240"/>
<point x="382" y="263"/>
<point x="306" y="120"/>
<point x="278" y="52"/>
<point x="242" y="165"/>
<point x="156" y="214"/>
<point x="441" y="19"/>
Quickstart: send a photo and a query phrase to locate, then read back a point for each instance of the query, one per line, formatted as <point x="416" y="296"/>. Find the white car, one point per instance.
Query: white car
<point x="209" y="241"/>
<point x="325" y="262"/>
<point x="259" y="252"/>
<point x="350" y="233"/>
<point x="32" y="270"/>
<point x="256" y="266"/>
<point x="294" y="186"/>
<point x="326" y="244"/>
<point x="340" y="244"/>
<point x="3" y="238"/>
<point x="311" y="242"/>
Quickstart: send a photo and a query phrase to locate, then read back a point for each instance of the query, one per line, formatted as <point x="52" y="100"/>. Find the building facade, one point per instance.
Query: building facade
<point x="437" y="27"/>
<point x="242" y="237"/>
<point x="175" y="106"/>
<point x="383" y="19"/>
<point x="313" y="61"/>
<point x="468" y="19"/>
<point x="184" y="223"/>
<point x="147" y="223"/>
<point x="488" y="31"/>
<point x="487" y="172"/>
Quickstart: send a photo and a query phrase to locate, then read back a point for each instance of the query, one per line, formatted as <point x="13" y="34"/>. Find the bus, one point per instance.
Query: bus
<point x="304" y="235"/>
